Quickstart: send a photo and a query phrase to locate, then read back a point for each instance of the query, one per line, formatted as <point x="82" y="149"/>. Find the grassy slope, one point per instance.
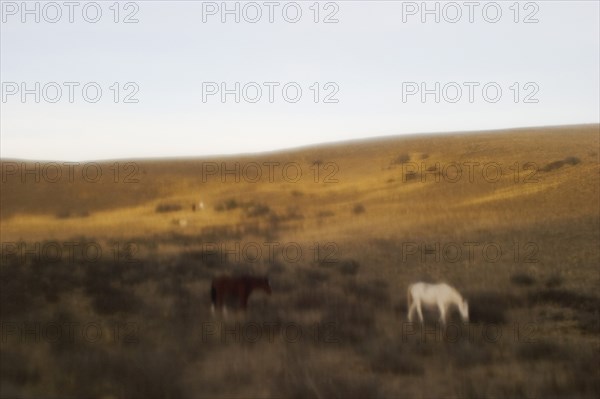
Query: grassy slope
<point x="559" y="214"/>
<point x="365" y="175"/>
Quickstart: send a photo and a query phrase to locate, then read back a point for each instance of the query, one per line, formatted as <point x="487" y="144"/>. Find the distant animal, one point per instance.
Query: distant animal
<point x="237" y="288"/>
<point x="441" y="295"/>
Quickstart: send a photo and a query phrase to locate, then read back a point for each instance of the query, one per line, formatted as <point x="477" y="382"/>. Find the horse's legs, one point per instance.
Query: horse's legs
<point x="411" y="311"/>
<point x="442" y="314"/>
<point x="420" y="312"/>
<point x="220" y="301"/>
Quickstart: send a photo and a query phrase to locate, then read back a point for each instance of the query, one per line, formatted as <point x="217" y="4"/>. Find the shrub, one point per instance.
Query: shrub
<point x="64" y="214"/>
<point x="554" y="281"/>
<point x="106" y="299"/>
<point x="400" y="159"/>
<point x="559" y="164"/>
<point x="358" y="208"/>
<point x="325" y="214"/>
<point x="565" y="298"/>
<point x="256" y="210"/>
<point x="111" y="300"/>
<point x="276" y="268"/>
<point x="408" y="176"/>
<point x="572" y="160"/>
<point x="349" y="267"/>
<point x="227" y="205"/>
<point x="315" y="276"/>
<point x="209" y="259"/>
<point x="16" y="296"/>
<point x="522" y="279"/>
<point x="490" y="307"/>
<point x="166" y="207"/>
<point x="313" y="299"/>
<point x="293" y="213"/>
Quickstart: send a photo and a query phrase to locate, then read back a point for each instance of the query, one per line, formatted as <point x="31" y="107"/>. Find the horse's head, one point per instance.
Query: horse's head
<point x="464" y="310"/>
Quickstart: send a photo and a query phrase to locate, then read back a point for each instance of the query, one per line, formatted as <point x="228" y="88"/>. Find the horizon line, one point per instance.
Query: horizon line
<point x="322" y="144"/>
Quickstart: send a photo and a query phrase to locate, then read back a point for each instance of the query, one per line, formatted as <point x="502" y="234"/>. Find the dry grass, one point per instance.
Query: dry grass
<point x="346" y="293"/>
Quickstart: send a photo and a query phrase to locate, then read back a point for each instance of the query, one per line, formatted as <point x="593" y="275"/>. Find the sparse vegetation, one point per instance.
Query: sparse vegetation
<point x="66" y="214"/>
<point x="522" y="279"/>
<point x="534" y="351"/>
<point x="559" y="164"/>
<point x="325" y="214"/>
<point x="589" y="321"/>
<point x="565" y="298"/>
<point x="400" y="159"/>
<point x="298" y="379"/>
<point x="227" y="205"/>
<point x="256" y="210"/>
<point x="490" y="307"/>
<point x="358" y="209"/>
<point x="353" y="321"/>
<point x="466" y="354"/>
<point x="353" y="291"/>
<point x="293" y="213"/>
<point x="410" y="176"/>
<point x="554" y="281"/>
<point x="390" y="356"/>
<point x="348" y="267"/>
<point x="168" y="207"/>
<point x="370" y="292"/>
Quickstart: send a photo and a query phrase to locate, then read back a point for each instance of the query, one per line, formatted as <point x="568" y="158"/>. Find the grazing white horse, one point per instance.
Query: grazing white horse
<point x="441" y="295"/>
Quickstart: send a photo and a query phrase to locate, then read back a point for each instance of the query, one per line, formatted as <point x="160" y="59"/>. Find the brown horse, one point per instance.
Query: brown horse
<point x="239" y="288"/>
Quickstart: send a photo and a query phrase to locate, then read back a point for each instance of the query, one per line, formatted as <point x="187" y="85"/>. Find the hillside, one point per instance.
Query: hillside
<point x="511" y="218"/>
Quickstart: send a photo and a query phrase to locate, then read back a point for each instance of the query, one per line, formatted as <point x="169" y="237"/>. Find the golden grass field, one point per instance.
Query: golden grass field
<point x="519" y="237"/>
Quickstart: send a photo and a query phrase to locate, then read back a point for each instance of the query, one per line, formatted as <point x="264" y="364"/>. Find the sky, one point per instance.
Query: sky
<point x="107" y="80"/>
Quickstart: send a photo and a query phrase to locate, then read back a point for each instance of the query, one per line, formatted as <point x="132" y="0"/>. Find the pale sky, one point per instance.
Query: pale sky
<point x="374" y="55"/>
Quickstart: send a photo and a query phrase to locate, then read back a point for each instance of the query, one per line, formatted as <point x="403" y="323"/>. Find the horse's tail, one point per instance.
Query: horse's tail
<point x="213" y="294"/>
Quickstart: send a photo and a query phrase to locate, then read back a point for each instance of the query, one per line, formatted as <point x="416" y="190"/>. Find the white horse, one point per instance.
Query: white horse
<point x="441" y="295"/>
